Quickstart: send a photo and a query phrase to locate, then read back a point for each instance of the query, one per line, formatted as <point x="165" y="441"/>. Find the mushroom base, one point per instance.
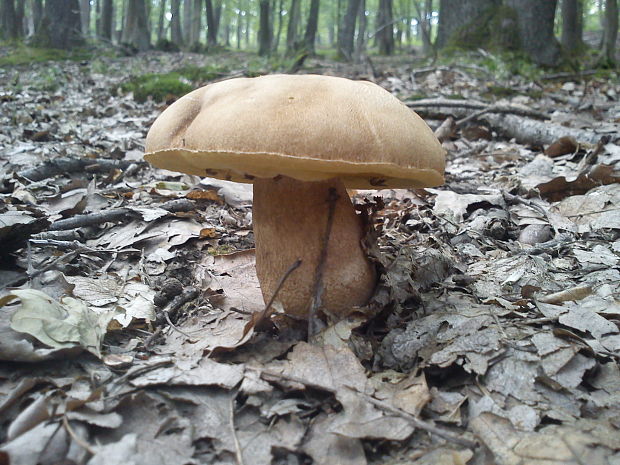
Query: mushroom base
<point x="290" y="220"/>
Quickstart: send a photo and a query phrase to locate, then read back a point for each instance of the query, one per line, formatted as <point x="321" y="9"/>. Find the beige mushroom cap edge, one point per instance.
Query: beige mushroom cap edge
<point x="307" y="127"/>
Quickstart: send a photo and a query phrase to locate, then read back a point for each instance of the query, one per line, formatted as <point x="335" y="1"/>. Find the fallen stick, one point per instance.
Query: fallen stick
<point x="524" y="130"/>
<point x="416" y="422"/>
<point x="66" y="165"/>
<point x="117" y="214"/>
<point x="473" y="105"/>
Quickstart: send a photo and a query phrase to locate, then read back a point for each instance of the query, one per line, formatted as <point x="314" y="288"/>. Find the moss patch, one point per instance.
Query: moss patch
<point x="164" y="86"/>
<point x="20" y="54"/>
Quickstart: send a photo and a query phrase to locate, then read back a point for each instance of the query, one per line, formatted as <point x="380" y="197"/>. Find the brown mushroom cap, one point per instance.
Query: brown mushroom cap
<point x="306" y="127"/>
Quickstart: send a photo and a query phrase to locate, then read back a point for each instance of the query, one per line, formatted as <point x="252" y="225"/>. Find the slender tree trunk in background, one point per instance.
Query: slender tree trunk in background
<point x="535" y="21"/>
<point x="9" y="29"/>
<point x="239" y="29"/>
<point x="264" y="29"/>
<point x="227" y="31"/>
<point x="211" y="24"/>
<point x="136" y="32"/>
<point x="610" y="33"/>
<point x="291" y="29"/>
<point x="187" y="22"/>
<point x="278" y="34"/>
<point x="97" y="18"/>
<point x="160" y="20"/>
<point x="346" y="33"/>
<point x="571" y="34"/>
<point x="85" y="17"/>
<point x="196" y="23"/>
<point x="60" y="25"/>
<point x="176" y="35"/>
<point x="20" y="16"/>
<point x="312" y="26"/>
<point x="37" y="14"/>
<point x="385" y="27"/>
<point x="247" y="29"/>
<point x="360" y="46"/>
<point x="106" y="19"/>
<point x="426" y="25"/>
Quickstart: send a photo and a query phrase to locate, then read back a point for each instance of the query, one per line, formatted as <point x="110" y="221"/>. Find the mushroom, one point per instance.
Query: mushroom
<point x="301" y="140"/>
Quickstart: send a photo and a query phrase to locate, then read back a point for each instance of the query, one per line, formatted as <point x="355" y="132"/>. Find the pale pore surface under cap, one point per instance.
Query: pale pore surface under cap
<point x="306" y="127"/>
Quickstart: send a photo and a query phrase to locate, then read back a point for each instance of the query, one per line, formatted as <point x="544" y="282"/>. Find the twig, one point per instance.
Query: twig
<point x="283" y="279"/>
<point x="473" y="105"/>
<point x="172" y="325"/>
<point x="66" y="165"/>
<point x="567" y="75"/>
<point x="116" y="215"/>
<point x="416" y="422"/>
<point x="238" y="452"/>
<point x="257" y="318"/>
<point x="332" y="198"/>
<point x="75" y="437"/>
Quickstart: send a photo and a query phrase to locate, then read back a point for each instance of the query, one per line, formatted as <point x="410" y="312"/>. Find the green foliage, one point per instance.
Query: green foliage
<point x="157" y="86"/>
<point x="20" y="54"/>
<point x="176" y="83"/>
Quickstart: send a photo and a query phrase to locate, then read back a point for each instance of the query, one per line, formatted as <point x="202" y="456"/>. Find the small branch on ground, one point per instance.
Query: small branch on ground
<point x="259" y="317"/>
<point x="416" y="422"/>
<point x="67" y="165"/>
<point x="320" y="269"/>
<point x="117" y="214"/>
<point x="472" y="105"/>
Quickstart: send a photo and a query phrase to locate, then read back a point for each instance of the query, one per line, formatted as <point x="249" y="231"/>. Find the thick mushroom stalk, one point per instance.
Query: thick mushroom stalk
<point x="290" y="221"/>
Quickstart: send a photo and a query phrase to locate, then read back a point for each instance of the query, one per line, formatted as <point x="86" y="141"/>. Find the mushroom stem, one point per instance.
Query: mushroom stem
<point x="290" y="219"/>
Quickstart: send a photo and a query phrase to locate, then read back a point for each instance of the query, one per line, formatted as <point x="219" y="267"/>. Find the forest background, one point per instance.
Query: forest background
<point x="546" y="32"/>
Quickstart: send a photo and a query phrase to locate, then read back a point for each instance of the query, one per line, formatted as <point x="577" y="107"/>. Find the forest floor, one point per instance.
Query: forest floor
<point x="494" y="335"/>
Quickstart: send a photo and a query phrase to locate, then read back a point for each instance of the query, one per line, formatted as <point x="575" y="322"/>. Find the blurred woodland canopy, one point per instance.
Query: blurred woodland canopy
<point x="546" y="31"/>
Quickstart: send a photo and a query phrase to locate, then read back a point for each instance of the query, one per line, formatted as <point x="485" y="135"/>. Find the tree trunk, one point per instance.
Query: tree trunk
<point x="85" y="17"/>
<point x="37" y="14"/>
<point x="525" y="25"/>
<point x="160" y="20"/>
<point x="426" y="25"/>
<point x="291" y="30"/>
<point x="135" y="32"/>
<point x="106" y="19"/>
<point x="211" y="24"/>
<point x="385" y="27"/>
<point x="535" y="20"/>
<point x="346" y="33"/>
<point x="278" y="34"/>
<point x="176" y="34"/>
<point x="264" y="29"/>
<point x="456" y="14"/>
<point x="60" y="25"/>
<point x="239" y="28"/>
<point x="9" y="28"/>
<point x="195" y="24"/>
<point x="360" y="46"/>
<point x="610" y="34"/>
<point x="312" y="26"/>
<point x="248" y="17"/>
<point x="571" y="34"/>
<point x="187" y="22"/>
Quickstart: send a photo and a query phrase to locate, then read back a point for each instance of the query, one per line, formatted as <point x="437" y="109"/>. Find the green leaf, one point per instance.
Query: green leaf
<point x="56" y="324"/>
